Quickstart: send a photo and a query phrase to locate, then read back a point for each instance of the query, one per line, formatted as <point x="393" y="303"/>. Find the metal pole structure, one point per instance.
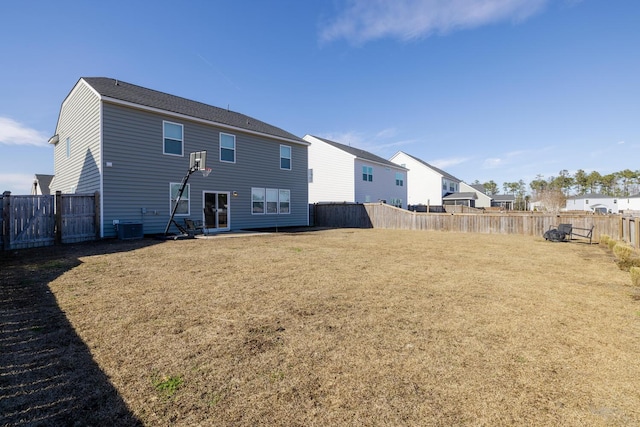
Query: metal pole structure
<point x="175" y="207"/>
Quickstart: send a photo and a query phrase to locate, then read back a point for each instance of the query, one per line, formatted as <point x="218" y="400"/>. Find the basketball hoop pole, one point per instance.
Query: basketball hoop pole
<point x="183" y="185"/>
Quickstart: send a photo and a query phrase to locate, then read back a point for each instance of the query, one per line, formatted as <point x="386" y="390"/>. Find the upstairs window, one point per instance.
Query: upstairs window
<point x="367" y="173"/>
<point x="227" y="148"/>
<point x="68" y="147"/>
<point x="173" y="138"/>
<point x="285" y="157"/>
<point x="310" y="175"/>
<point x="399" y="179"/>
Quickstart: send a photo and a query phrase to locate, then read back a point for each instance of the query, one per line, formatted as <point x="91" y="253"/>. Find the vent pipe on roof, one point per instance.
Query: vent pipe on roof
<point x="116" y="82"/>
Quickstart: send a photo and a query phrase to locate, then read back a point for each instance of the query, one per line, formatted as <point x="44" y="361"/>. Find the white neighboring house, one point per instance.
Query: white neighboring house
<point x="41" y="184"/>
<point x="596" y="203"/>
<point x="427" y="184"/>
<point x="483" y="200"/>
<point x="341" y="173"/>
<point x="630" y="204"/>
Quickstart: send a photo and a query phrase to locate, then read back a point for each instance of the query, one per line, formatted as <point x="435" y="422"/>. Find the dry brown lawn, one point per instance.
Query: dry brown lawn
<point x="344" y="327"/>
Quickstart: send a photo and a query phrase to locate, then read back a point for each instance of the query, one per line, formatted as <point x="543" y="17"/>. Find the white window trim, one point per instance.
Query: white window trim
<point x="368" y="168"/>
<point x="188" y="191"/>
<point x="290" y="157"/>
<point x="264" y="208"/>
<point x="235" y="151"/>
<point x="164" y="138"/>
<point x="267" y="200"/>
<point x="279" y="202"/>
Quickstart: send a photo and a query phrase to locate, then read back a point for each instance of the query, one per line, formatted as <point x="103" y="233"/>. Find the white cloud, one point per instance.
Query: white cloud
<point x="15" y="133"/>
<point x="378" y="143"/>
<point x="492" y="163"/>
<point x="17" y="183"/>
<point x="446" y="163"/>
<point x="365" y="20"/>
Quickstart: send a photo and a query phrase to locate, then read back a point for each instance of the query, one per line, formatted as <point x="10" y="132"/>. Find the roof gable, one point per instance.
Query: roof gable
<point x="440" y="171"/>
<point x="117" y="90"/>
<point x="360" y="154"/>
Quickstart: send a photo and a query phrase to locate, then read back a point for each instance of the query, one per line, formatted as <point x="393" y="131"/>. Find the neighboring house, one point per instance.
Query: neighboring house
<point x="483" y="200"/>
<point x="503" y="201"/>
<point x="132" y="144"/>
<point x="629" y="204"/>
<point x="427" y="185"/>
<point x="597" y="203"/>
<point x="461" y="199"/>
<point x="41" y="185"/>
<point x="341" y="173"/>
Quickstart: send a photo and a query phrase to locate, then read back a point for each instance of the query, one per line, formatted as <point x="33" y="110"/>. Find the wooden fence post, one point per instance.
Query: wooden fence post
<point x="58" y="217"/>
<point x="96" y="211"/>
<point x="6" y="220"/>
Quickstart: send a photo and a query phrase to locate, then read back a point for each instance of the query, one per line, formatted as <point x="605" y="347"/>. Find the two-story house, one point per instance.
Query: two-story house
<point x="427" y="184"/>
<point x="132" y="145"/>
<point x="341" y="173"/>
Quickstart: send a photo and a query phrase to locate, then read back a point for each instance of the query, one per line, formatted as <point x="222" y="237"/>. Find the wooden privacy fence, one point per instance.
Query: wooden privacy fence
<point x="33" y="221"/>
<point x="380" y="215"/>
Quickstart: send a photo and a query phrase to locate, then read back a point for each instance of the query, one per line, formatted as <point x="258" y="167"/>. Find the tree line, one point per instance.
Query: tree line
<point x="555" y="189"/>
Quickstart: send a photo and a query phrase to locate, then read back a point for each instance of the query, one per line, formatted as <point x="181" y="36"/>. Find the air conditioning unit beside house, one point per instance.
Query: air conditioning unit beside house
<point x="130" y="230"/>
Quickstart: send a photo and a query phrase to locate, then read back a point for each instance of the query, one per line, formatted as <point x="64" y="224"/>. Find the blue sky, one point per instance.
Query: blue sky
<point x="497" y="90"/>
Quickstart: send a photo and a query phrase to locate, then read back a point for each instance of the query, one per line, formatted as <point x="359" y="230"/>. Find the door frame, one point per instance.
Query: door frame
<point x="204" y="220"/>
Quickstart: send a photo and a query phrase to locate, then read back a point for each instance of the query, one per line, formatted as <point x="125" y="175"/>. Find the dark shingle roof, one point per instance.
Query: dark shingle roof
<point x="504" y="197"/>
<point x="361" y="154"/>
<point x="461" y="196"/>
<point x="117" y="89"/>
<point x="440" y="171"/>
<point x="44" y="181"/>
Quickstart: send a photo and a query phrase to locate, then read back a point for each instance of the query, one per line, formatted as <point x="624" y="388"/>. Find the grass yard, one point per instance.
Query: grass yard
<point x="335" y="327"/>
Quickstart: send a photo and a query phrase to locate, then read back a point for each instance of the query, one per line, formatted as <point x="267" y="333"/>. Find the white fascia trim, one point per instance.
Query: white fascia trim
<point x="101" y="170"/>
<point x="195" y="119"/>
<point x="386" y="165"/>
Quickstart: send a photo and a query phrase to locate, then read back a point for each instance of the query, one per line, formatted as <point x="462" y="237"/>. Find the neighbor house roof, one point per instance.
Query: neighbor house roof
<point x="113" y="89"/>
<point x="43" y="181"/>
<point x="461" y="196"/>
<point x="591" y="196"/>
<point x="504" y="197"/>
<point x="361" y="154"/>
<point x="440" y="171"/>
<point x="479" y="187"/>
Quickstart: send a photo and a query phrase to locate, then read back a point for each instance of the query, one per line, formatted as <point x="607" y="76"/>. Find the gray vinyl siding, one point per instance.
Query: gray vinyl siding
<point x="79" y="120"/>
<point x="140" y="173"/>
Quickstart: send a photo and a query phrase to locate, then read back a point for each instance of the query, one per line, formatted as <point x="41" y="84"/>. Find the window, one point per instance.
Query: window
<point x="399" y="179"/>
<point x="227" y="148"/>
<point x="272" y="201"/>
<point x="283" y="201"/>
<point x="173" y="139"/>
<point x="367" y="173"/>
<point x="444" y="185"/>
<point x="183" y="204"/>
<point x="68" y="147"/>
<point x="285" y="157"/>
<point x="396" y="202"/>
<point x="452" y="186"/>
<point x="310" y="176"/>
<point x="257" y="200"/>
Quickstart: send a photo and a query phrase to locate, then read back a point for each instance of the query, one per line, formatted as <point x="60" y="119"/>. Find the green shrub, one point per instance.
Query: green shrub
<point x="611" y="243"/>
<point x="635" y="276"/>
